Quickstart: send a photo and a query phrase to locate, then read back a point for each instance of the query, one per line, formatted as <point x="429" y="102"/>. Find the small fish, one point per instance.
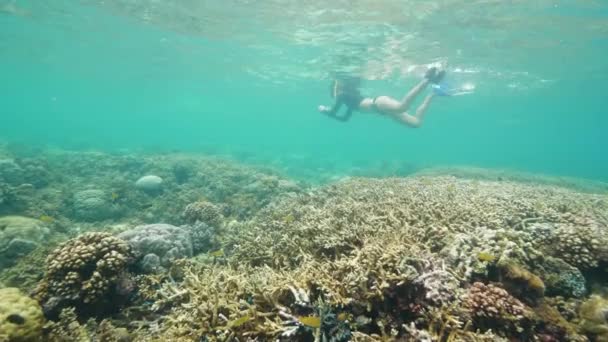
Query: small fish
<point x="342" y="316"/>
<point x="310" y="321"/>
<point x="239" y="321"/>
<point x="115" y="196"/>
<point x="485" y="256"/>
<point x="289" y="218"/>
<point x="218" y="254"/>
<point x="46" y="219"/>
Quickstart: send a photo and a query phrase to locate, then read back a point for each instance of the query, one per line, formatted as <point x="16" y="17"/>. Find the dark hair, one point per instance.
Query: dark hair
<point x="344" y="84"/>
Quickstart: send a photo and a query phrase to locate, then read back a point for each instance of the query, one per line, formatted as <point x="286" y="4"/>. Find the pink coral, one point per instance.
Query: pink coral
<point x="490" y="301"/>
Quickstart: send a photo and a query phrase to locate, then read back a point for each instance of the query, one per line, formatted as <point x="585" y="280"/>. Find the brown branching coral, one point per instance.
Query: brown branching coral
<point x="84" y="271"/>
<point x="333" y="220"/>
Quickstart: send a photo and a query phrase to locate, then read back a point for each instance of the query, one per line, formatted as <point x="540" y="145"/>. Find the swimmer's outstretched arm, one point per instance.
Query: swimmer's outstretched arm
<point x="342" y="118"/>
<point x="333" y="112"/>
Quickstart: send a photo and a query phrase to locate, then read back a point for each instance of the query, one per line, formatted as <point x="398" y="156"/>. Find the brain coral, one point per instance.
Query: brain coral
<point x="21" y="318"/>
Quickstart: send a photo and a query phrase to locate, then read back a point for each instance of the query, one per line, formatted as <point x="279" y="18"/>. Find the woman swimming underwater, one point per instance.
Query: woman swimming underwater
<point x="346" y="92"/>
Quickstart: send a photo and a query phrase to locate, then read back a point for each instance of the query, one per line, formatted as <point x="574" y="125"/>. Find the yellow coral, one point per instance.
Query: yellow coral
<point x="530" y="281"/>
<point x="21" y="318"/>
<point x="593" y="317"/>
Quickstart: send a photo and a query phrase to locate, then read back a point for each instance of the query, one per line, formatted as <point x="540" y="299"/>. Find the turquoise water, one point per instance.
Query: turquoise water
<point x="245" y="78"/>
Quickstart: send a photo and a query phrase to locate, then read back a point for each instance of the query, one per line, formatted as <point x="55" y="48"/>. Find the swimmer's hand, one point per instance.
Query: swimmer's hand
<point x="323" y="109"/>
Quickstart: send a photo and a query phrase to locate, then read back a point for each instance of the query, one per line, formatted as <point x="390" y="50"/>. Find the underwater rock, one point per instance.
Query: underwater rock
<point x="94" y="205"/>
<point x="163" y="240"/>
<point x="85" y="273"/>
<point x="19" y="236"/>
<point x="11" y="172"/>
<point x="149" y="184"/>
<point x="21" y="318"/>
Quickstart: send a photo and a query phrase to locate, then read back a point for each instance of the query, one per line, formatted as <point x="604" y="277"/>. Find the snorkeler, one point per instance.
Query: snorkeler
<point x="346" y="92"/>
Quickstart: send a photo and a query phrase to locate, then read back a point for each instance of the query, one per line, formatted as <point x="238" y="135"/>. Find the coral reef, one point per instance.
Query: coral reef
<point x="27" y="271"/>
<point x="204" y="237"/>
<point x="562" y="278"/>
<point x="581" y="246"/>
<point x="87" y="273"/>
<point x="492" y="307"/>
<point x="158" y="245"/>
<point x="94" y="205"/>
<point x="21" y="318"/>
<point x="10" y="172"/>
<point x="203" y="211"/>
<point x="245" y="254"/>
<point x="594" y="317"/>
<point x="18" y="237"/>
<point x="520" y="281"/>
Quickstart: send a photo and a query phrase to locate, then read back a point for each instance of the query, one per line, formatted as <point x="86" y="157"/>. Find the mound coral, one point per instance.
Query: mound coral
<point x="94" y="205"/>
<point x="158" y="245"/>
<point x="21" y="318"/>
<point x="580" y="246"/>
<point x="492" y="307"/>
<point x="203" y="211"/>
<point x="85" y="272"/>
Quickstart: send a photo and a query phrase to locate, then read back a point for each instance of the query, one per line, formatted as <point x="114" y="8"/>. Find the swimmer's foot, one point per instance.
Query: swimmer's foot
<point x="440" y="91"/>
